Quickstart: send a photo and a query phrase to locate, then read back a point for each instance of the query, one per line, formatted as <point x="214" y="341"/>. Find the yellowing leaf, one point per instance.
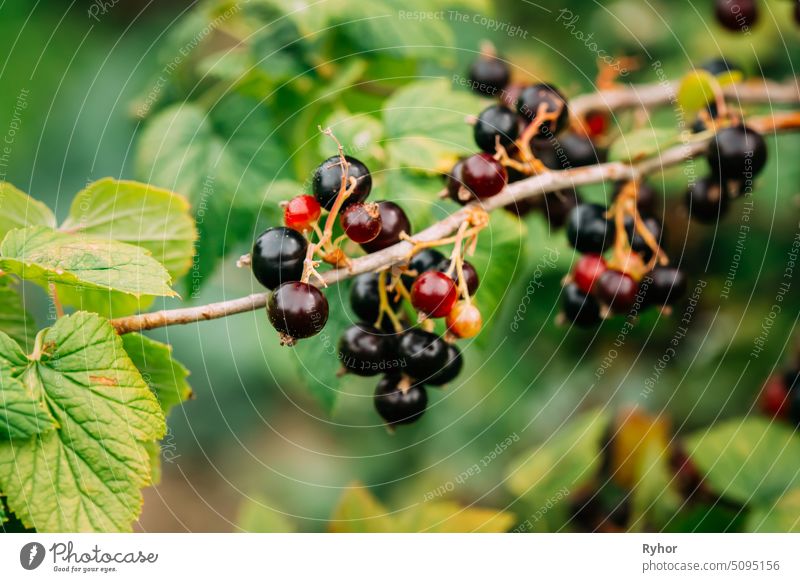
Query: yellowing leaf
<point x="360" y="512"/>
<point x="696" y="90"/>
<point x="450" y="517"/>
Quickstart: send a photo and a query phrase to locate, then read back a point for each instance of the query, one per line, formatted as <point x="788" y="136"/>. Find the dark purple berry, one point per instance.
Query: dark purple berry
<point x="424" y="353"/>
<point x="297" y="310"/>
<point x="489" y="75"/>
<point x="398" y="406"/>
<point x="393" y="222"/>
<point x="737" y="15"/>
<point x="706" y="200"/>
<point x="278" y="256"/>
<point x="534" y="96"/>
<point x="484" y="176"/>
<point x="588" y="229"/>
<point x="450" y="370"/>
<point x="737" y="153"/>
<point x="495" y="123"/>
<point x="579" y="308"/>
<point x="365" y="350"/>
<point x="327" y="181"/>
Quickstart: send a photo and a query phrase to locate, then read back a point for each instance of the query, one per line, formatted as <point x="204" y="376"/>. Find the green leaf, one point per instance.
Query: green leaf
<point x="44" y="255"/>
<point x="750" y="460"/>
<point x="781" y="517"/>
<point x="137" y="214"/>
<point x="14" y="320"/>
<point x="3" y="516"/>
<point x="359" y="512"/>
<point x="641" y="143"/>
<point x="18" y="210"/>
<point x="568" y="460"/>
<point x="654" y="500"/>
<point x="450" y="517"/>
<point x="257" y="515"/>
<point x="21" y="414"/>
<point x="426" y="126"/>
<point x="165" y="376"/>
<point x="696" y="90"/>
<point x="360" y="135"/>
<point x="87" y="474"/>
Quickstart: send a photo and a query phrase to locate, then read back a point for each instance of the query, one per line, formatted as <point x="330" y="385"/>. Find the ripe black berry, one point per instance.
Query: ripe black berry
<point x="426" y="260"/>
<point x="484" y="176"/>
<point x="496" y="122"/>
<point x="737" y="153"/>
<point x="470" y="274"/>
<point x="365" y="300"/>
<point x="737" y="15"/>
<point x="361" y="222"/>
<point x="706" y="200"/>
<point x="365" y="351"/>
<point x="617" y="290"/>
<point x="558" y="205"/>
<point x="534" y="96"/>
<point x="297" y="310"/>
<point x="588" y="230"/>
<point x="488" y="75"/>
<point x="397" y="406"/>
<point x="450" y="370"/>
<point x="393" y="222"/>
<point x="579" y="308"/>
<point x="424" y="353"/>
<point x="665" y="286"/>
<point x="278" y="256"/>
<point x="636" y="240"/>
<point x="580" y="150"/>
<point x="328" y="181"/>
<point x="455" y="185"/>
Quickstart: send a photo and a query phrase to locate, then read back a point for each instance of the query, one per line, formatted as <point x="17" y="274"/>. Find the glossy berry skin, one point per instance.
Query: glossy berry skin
<point x="774" y="400"/>
<point x="450" y="370"/>
<point x="484" y="176"/>
<point x="364" y="297"/>
<point x="558" y="205"/>
<point x="706" y="201"/>
<point x="393" y="222"/>
<point x="365" y="351"/>
<point x="426" y="260"/>
<point x="470" y="274"/>
<point x="588" y="230"/>
<point x="328" y="180"/>
<point x="434" y="294"/>
<point x="297" y="310"/>
<point x="455" y="185"/>
<point x="464" y="320"/>
<point x="737" y="153"/>
<point x="301" y="212"/>
<point x="665" y="286"/>
<point x="534" y="96"/>
<point x="278" y="256"/>
<point x="596" y="123"/>
<point x="587" y="270"/>
<point x="737" y="15"/>
<point x="647" y="198"/>
<point x="496" y="122"/>
<point x="580" y="150"/>
<point x="489" y="75"/>
<point x="396" y="406"/>
<point x="424" y="353"/>
<point x="580" y="308"/>
<point x="617" y="290"/>
<point x="361" y="222"/>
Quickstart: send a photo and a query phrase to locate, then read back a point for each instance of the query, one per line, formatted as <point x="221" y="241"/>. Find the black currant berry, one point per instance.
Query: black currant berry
<point x="365" y="350"/>
<point x="278" y="256"/>
<point x="580" y="150"/>
<point x="534" y="96"/>
<point x="558" y="205"/>
<point x="425" y="260"/>
<point x="737" y="15"/>
<point x="579" y="308"/>
<point x="665" y="286"/>
<point x="588" y="230"/>
<point x="737" y="153"/>
<point x="398" y="406"/>
<point x="450" y="370"/>
<point x="495" y="123"/>
<point x="636" y="240"/>
<point x="393" y="222"/>
<point x="706" y="200"/>
<point x="455" y="185"/>
<point x="548" y="151"/>
<point x="647" y="198"/>
<point x="484" y="176"/>
<point x="328" y="181"/>
<point x="489" y="75"/>
<point x="297" y="310"/>
<point x="470" y="274"/>
<point x="617" y="290"/>
<point x="423" y="353"/>
<point x="365" y="299"/>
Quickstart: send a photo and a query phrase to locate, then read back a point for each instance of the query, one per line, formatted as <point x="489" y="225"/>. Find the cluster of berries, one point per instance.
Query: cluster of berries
<point x="384" y="341"/>
<point x="741" y="15"/>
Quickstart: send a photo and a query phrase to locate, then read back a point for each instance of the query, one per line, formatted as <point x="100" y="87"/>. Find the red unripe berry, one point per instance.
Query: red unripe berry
<point x="301" y="212"/>
<point x="361" y="222"/>
<point x="617" y="290"/>
<point x="464" y="320"/>
<point x="484" y="176"/>
<point x="434" y="294"/>
<point x="775" y="398"/>
<point x="587" y="270"/>
<point x="596" y="123"/>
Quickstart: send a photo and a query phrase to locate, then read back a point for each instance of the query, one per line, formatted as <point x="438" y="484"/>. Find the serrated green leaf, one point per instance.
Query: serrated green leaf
<point x="781" y="517"/>
<point x="751" y="460"/>
<point x="450" y="517"/>
<point x="568" y="460"/>
<point x="696" y="90"/>
<point x="358" y="511"/>
<point x="641" y="143"/>
<point x="45" y="256"/>
<point x="426" y="126"/>
<point x="257" y="515"/>
<point x="87" y="474"/>
<point x="14" y="319"/>
<point x="137" y="214"/>
<point x="165" y="376"/>
<point x="22" y="415"/>
<point x="18" y="210"/>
